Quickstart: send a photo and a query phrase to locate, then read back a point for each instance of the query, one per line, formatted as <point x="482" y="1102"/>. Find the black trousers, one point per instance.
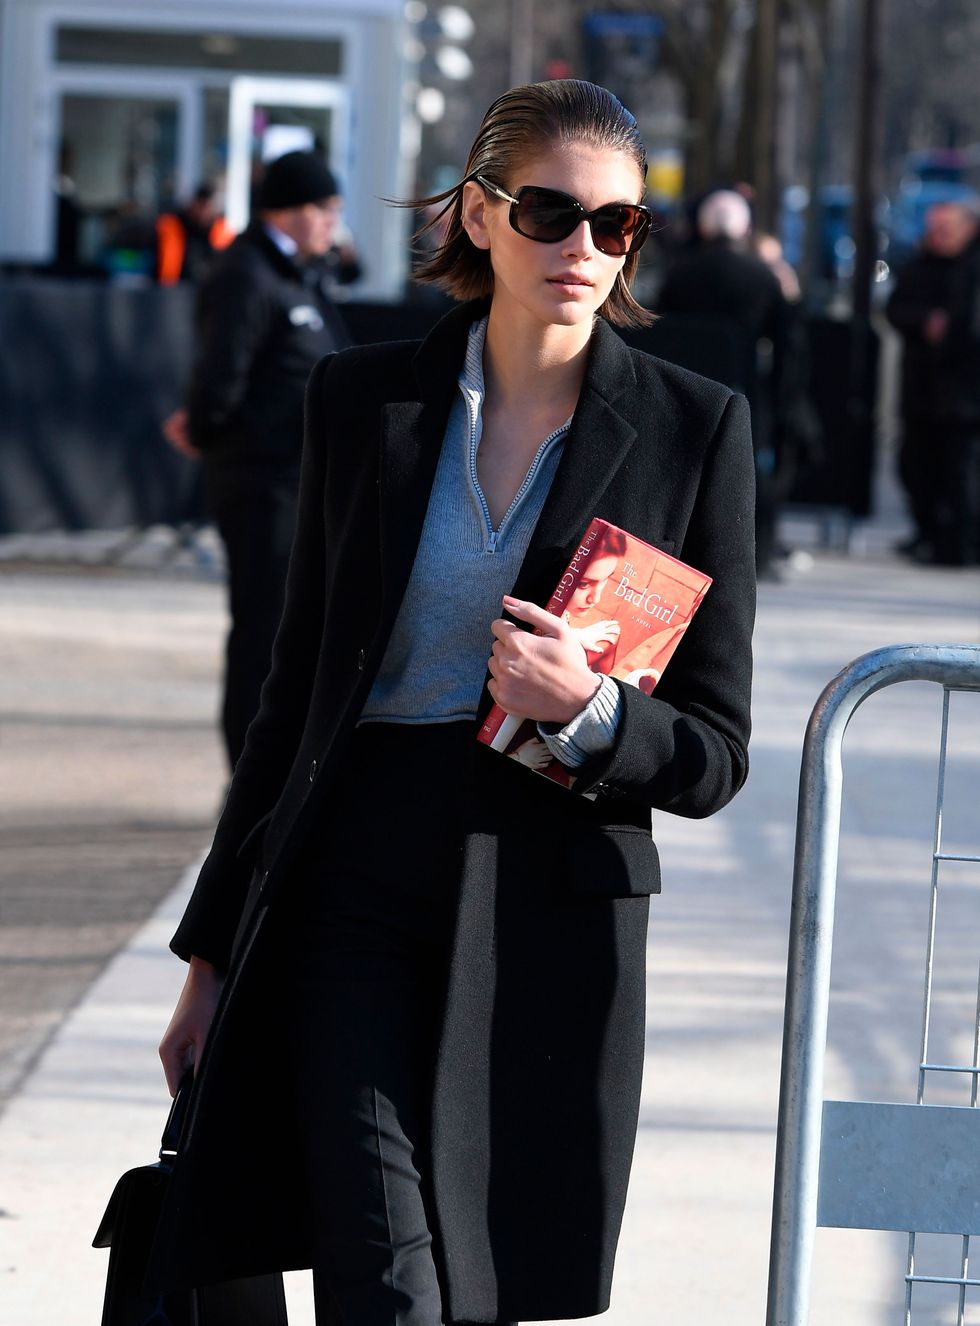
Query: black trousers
<point x="920" y="470"/>
<point x="367" y="944"/>
<point x="256" y="519"/>
<point x="958" y="503"/>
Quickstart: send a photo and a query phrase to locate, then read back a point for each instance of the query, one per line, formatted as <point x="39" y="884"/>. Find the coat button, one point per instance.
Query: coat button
<point x="313" y="768"/>
<point x="361" y="660"/>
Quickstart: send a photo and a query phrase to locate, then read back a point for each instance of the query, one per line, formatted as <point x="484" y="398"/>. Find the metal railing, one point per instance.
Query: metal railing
<point x="837" y="1163"/>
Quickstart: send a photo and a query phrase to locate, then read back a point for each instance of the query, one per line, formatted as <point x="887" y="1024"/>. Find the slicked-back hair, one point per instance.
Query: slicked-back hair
<point x="523" y="123"/>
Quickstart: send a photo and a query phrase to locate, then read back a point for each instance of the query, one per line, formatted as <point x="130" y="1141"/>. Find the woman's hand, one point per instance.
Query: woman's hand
<point x="175" y="429"/>
<point x="544" y="676"/>
<point x="183" y="1041"/>
<point x="599" y="636"/>
<point x="644" y="679"/>
<point x="533" y="754"/>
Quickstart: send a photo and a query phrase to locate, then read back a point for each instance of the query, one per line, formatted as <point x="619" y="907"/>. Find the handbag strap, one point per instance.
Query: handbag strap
<point x="174" y="1126"/>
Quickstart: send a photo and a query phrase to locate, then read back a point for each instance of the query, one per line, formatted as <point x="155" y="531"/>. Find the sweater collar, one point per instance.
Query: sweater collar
<point x="444" y="355"/>
<point x="596" y="445"/>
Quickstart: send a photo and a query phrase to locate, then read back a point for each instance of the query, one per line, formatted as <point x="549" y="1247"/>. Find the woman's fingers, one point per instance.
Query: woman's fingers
<point x="176" y="1059"/>
<point x="546" y="623"/>
<point x="542" y="674"/>
<point x="504" y="630"/>
<point x="181" y="1049"/>
<point x="184" y="1038"/>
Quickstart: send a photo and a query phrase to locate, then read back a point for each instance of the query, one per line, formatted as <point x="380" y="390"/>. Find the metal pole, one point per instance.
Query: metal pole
<point x="867" y="188"/>
<point x="867" y="165"/>
<point x="811" y="933"/>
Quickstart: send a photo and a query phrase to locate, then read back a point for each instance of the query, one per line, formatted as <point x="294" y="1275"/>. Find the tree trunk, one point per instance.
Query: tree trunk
<point x="704" y="166"/>
<point x="764" y="130"/>
<point x="816" y="48"/>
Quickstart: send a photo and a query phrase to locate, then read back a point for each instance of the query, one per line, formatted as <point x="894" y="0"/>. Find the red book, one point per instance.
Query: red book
<point x="632" y="604"/>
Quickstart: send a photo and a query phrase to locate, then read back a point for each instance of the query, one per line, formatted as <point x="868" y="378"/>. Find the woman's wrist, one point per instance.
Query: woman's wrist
<point x="581" y="698"/>
<point x="204" y="971"/>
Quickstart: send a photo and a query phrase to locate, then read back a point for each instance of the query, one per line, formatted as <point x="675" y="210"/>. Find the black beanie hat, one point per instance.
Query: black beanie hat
<point x="295" y="179"/>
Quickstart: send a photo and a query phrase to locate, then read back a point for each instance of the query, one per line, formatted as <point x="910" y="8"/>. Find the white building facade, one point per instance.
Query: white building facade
<point x="133" y="104"/>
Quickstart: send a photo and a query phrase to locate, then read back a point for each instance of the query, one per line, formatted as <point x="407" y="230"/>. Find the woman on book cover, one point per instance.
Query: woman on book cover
<point x="415" y="1002"/>
<point x="597" y="638"/>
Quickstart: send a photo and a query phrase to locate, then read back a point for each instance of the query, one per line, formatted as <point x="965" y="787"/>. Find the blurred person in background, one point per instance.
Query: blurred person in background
<point x="770" y="250"/>
<point x="721" y="277"/>
<point x="797" y="434"/>
<point x="189" y="238"/>
<point x="68" y="215"/>
<point x="264" y="318"/>
<point x="935" y="307"/>
<point x="340" y="265"/>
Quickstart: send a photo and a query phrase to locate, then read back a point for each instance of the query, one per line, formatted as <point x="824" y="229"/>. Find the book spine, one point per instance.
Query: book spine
<point x="491" y="725"/>
<point x="575" y="569"/>
<point x="556" y="606"/>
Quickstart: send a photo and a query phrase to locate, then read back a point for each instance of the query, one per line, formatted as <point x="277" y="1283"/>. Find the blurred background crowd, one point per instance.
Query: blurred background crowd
<point x="814" y="167"/>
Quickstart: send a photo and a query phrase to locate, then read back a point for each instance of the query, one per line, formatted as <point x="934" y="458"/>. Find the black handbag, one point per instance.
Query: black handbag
<point x="127" y="1230"/>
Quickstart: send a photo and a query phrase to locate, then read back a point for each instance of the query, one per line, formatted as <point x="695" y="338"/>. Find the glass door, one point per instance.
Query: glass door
<point x="270" y="116"/>
<point x="126" y="152"/>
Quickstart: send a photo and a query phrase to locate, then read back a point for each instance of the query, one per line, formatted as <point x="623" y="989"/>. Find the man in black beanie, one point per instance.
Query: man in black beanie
<point x="263" y="319"/>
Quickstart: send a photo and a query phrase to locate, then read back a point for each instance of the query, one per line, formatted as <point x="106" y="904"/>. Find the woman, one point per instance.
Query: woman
<point x="424" y="1006"/>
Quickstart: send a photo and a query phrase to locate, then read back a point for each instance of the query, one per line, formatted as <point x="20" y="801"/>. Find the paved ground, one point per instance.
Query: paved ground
<point x="110" y="774"/>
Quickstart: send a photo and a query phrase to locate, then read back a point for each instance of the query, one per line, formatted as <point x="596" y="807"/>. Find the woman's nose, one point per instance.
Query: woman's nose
<point x="579" y="243"/>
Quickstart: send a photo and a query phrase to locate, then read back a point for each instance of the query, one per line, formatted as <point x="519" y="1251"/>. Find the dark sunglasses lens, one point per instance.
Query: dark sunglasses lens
<point x="618" y="230"/>
<point x="640" y="231"/>
<point x="546" y="215"/>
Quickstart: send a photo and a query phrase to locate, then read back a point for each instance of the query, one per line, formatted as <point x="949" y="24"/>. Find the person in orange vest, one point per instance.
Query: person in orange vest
<point x="188" y="239"/>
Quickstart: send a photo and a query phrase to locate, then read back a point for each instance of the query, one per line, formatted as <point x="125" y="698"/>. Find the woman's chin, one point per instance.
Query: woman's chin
<point x="572" y="312"/>
<point x="546" y="309"/>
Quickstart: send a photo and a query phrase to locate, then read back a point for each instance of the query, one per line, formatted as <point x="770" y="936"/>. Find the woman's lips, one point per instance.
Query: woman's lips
<point x="570" y="282"/>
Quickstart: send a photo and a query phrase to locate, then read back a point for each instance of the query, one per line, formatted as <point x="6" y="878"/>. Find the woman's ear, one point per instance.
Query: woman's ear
<point x="474" y="214"/>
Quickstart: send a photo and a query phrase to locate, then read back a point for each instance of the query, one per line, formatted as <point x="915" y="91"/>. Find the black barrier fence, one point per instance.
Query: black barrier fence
<point x="89" y="370"/>
<point x="87" y="373"/>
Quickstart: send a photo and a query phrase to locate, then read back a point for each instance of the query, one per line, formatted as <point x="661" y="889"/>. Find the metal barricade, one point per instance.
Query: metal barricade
<point x="846" y="1163"/>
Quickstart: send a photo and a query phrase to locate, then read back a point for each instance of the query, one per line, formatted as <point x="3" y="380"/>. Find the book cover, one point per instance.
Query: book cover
<point x="631" y="604"/>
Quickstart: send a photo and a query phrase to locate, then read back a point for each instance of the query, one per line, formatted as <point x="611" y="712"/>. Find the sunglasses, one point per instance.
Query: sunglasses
<point x="547" y="215"/>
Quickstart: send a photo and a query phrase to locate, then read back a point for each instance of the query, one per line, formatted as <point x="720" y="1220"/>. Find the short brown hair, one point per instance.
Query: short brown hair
<point x="524" y="121"/>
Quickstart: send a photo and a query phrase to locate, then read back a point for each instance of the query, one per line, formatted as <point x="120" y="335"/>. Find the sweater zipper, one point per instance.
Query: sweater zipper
<point x="494" y="534"/>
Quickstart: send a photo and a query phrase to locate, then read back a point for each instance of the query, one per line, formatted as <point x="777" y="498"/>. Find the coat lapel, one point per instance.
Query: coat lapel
<point x="409" y="452"/>
<point x="412" y="431"/>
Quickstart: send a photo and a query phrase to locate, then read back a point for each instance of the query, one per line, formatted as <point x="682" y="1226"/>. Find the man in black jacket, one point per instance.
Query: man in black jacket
<point x="264" y="317"/>
<point x="720" y="277"/>
<point x="935" y="307"/>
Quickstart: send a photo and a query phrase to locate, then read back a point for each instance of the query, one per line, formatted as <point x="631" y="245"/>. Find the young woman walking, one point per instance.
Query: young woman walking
<point x="419" y="966"/>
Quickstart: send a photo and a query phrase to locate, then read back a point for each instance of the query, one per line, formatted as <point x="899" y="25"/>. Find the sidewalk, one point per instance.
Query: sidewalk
<point x="695" y="1242"/>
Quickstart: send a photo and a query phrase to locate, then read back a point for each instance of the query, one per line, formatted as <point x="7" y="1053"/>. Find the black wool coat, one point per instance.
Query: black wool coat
<point x="940" y="381"/>
<point x="262" y="321"/>
<point x="538" y="1072"/>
